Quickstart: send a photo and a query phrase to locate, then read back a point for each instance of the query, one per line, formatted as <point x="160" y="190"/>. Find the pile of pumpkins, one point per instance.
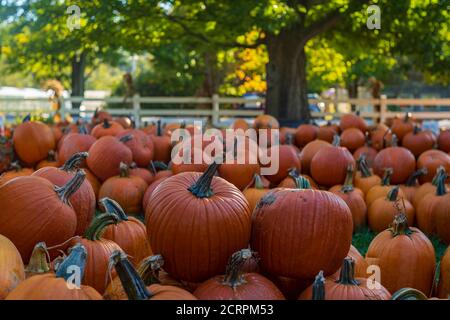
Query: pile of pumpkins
<point x="104" y="197"/>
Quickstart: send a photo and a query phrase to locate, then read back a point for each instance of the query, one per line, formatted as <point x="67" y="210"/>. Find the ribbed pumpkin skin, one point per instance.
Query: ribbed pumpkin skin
<point x="361" y="264"/>
<point x="197" y="236"/>
<point x="127" y="191"/>
<point x="74" y="143"/>
<point x="96" y="270"/>
<point x="291" y="225"/>
<point x="145" y="174"/>
<point x="287" y="159"/>
<point x="432" y="160"/>
<point x="93" y="180"/>
<point x="82" y="201"/>
<point x="404" y="261"/>
<point x="141" y="146"/>
<point x="369" y="152"/>
<point x="256" y="287"/>
<point x="426" y="212"/>
<point x="382" y="212"/>
<point x="32" y="141"/>
<point x="400" y="159"/>
<point x="9" y="175"/>
<point x="31" y="212"/>
<point x="419" y="142"/>
<point x="48" y="287"/>
<point x="422" y="191"/>
<point x="366" y="183"/>
<point x="12" y="270"/>
<point x="444" y="276"/>
<point x="329" y="165"/>
<point x="444" y="141"/>
<point x="309" y="151"/>
<point x="352" y="139"/>
<point x="148" y="193"/>
<point x="162" y="148"/>
<point x="131" y="236"/>
<point x="357" y="205"/>
<point x="253" y="195"/>
<point x="105" y="156"/>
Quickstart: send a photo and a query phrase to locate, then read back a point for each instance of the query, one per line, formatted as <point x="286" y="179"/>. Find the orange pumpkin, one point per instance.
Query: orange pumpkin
<point x="74" y="143"/>
<point x="350" y="120"/>
<point x="418" y="141"/>
<point x="51" y="161"/>
<point x="11" y="267"/>
<point x="444" y="276"/>
<point x="352" y="139"/>
<point x="254" y="193"/>
<point x="431" y="160"/>
<point x="309" y="151"/>
<point x="364" y="178"/>
<point x="106" y="128"/>
<point x="381" y="190"/>
<point x="305" y="133"/>
<point x="17" y="171"/>
<point x="401" y="126"/>
<point x="141" y="146"/>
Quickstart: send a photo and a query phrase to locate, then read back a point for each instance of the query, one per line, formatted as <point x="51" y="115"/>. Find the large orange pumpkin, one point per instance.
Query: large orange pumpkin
<point x="211" y="220"/>
<point x="107" y="128"/>
<point x="291" y="225"/>
<point x="418" y="141"/>
<point x="350" y="120"/>
<point x="287" y="159"/>
<point x="74" y="143"/>
<point x="431" y="160"/>
<point x="12" y="270"/>
<point x="444" y="141"/>
<point x="309" y="151"/>
<point x="401" y="126"/>
<point x="352" y="139"/>
<point x="305" y="133"/>
<point x="444" y="276"/>
<point x="141" y="146"/>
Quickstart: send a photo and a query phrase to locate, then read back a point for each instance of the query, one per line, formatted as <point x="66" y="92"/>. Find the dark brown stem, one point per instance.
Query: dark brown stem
<point x="393" y="194"/>
<point x="51" y="157"/>
<point x="347" y="275"/>
<point x="98" y="225"/>
<point x="363" y="167"/>
<point x="400" y="226"/>
<point x="124" y="170"/>
<point x="67" y="190"/>
<point x="106" y="124"/>
<point x="412" y="180"/>
<point x="202" y="188"/>
<point x="386" y="181"/>
<point x="149" y="269"/>
<point x="74" y="162"/>
<point x="233" y="274"/>
<point x="39" y="260"/>
<point x="126" y="138"/>
<point x="318" y="288"/>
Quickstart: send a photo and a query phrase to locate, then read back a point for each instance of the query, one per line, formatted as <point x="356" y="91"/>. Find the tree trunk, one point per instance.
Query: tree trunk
<point x="78" y="77"/>
<point x="287" y="94"/>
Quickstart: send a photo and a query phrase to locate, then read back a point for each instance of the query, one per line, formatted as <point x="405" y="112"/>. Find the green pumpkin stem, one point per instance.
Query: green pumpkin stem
<point x="233" y="274"/>
<point x="39" y="260"/>
<point x="202" y="188"/>
<point x="67" y="190"/>
<point x="409" y="294"/>
<point x="400" y="226"/>
<point x="412" y="180"/>
<point x="348" y="184"/>
<point x="149" y="269"/>
<point x="363" y="167"/>
<point x="439" y="172"/>
<point x="300" y="182"/>
<point x="99" y="223"/>
<point x="132" y="283"/>
<point x="257" y="182"/>
<point x="77" y="257"/>
<point x="290" y="138"/>
<point x="392" y="195"/>
<point x="318" y="287"/>
<point x="74" y="162"/>
<point x="156" y="166"/>
<point x="106" y="124"/>
<point x="386" y="181"/>
<point x="441" y="190"/>
<point x="112" y="206"/>
<point x="336" y="140"/>
<point x="347" y="275"/>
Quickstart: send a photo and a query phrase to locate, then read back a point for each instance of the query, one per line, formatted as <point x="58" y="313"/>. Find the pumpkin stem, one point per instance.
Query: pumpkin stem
<point x="347" y="275"/>
<point x="106" y="124"/>
<point x="386" y="181"/>
<point x="126" y="138"/>
<point x="133" y="165"/>
<point x="290" y="138"/>
<point x="131" y="282"/>
<point x="400" y="226"/>
<point x="233" y="274"/>
<point x="384" y="137"/>
<point x="336" y="140"/>
<point x="318" y="288"/>
<point x="258" y="184"/>
<point x="16" y="166"/>
<point x="393" y="194"/>
<point x="149" y="269"/>
<point x="156" y="166"/>
<point x="124" y="170"/>
<point x="348" y="184"/>
<point x="98" y="225"/>
<point x="67" y="190"/>
<point x="300" y="182"/>
<point x="39" y="260"/>
<point x="158" y="128"/>
<point x="363" y="167"/>
<point x="82" y="129"/>
<point x="416" y="129"/>
<point x="439" y="171"/>
<point x="112" y="206"/>
<point x="394" y="141"/>
<point x="74" y="162"/>
<point x="409" y="294"/>
<point x="441" y="190"/>
<point x="51" y="156"/>
<point x="202" y="188"/>
<point x="77" y="257"/>
<point x="27" y="118"/>
<point x="412" y="180"/>
<point x="407" y="117"/>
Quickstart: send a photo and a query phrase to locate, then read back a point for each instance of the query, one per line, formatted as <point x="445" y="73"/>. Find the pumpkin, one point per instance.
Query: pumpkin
<point x="239" y="124"/>
<point x="100" y="116"/>
<point x="364" y="178"/>
<point x="301" y="221"/>
<point x="145" y="174"/>
<point x="12" y="270"/>
<point x="410" y="187"/>
<point x="383" y="210"/>
<point x="160" y="170"/>
<point x="185" y="158"/>
<point x="443" y="141"/>
<point x="347" y="287"/>
<point x="443" y="290"/>
<point x="441" y="210"/>
<point x="237" y="285"/>
<point x="418" y="141"/>
<point x="400" y="159"/>
<point x="401" y="126"/>
<point x="125" y="189"/>
<point x="405" y="256"/>
<point x="431" y="160"/>
<point x="125" y="122"/>
<point x="83" y="200"/>
<point x="74" y="143"/>
<point x="287" y="159"/>
<point x="93" y="180"/>
<point x="265" y="121"/>
<point x="135" y="287"/>
<point x="354" y="198"/>
<point x="308" y="152"/>
<point x="181" y="204"/>
<point x="352" y="139"/>
<point x="256" y="192"/>
<point x="141" y="146"/>
<point x="427" y="187"/>
<point x="56" y="286"/>
<point x="241" y="162"/>
<point x="32" y="141"/>
<point x="34" y="210"/>
<point x="106" y="154"/>
<point x="98" y="251"/>
<point x="106" y="128"/>
<point x="51" y="161"/>
<point x="148" y="194"/>
<point x="409" y="294"/>
<point x="350" y="120"/>
<point x="367" y="150"/>
<point x="305" y="133"/>
<point x="38" y="263"/>
<point x="129" y="233"/>
<point x="162" y="146"/>
<point x="17" y="171"/>
<point x="292" y="180"/>
<point x="329" y="165"/>
<point x="327" y="132"/>
<point x="381" y="190"/>
<point x="360" y="267"/>
<point x="380" y="138"/>
<point x="6" y="153"/>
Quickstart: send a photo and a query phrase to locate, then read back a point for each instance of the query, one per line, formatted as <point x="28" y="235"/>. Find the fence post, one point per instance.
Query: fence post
<point x="215" y="109"/>
<point x="137" y="111"/>
<point x="383" y="108"/>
